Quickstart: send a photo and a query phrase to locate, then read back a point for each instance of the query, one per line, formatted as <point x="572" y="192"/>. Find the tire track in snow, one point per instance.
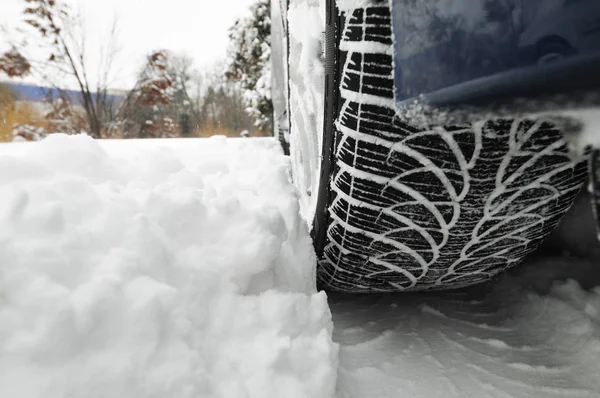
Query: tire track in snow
<point x="497" y="340"/>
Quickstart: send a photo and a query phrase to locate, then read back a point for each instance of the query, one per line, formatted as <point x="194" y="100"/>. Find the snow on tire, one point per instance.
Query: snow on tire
<point x="437" y="208"/>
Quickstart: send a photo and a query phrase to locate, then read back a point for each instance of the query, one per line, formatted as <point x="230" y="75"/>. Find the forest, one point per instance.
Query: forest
<point x="171" y="97"/>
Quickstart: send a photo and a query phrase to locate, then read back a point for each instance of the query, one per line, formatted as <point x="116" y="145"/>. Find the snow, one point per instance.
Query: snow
<point x="499" y="340"/>
<point x="582" y="125"/>
<point x="157" y="268"/>
<point x="306" y="20"/>
<point x="182" y="268"/>
<point x="351" y="5"/>
<point x="590" y="120"/>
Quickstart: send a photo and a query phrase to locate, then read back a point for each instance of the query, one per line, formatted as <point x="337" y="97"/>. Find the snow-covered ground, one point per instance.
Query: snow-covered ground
<point x="505" y="341"/>
<point x="181" y="268"/>
<point x="157" y="269"/>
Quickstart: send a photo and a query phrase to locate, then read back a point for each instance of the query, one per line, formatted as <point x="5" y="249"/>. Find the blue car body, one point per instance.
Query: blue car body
<point x="457" y="51"/>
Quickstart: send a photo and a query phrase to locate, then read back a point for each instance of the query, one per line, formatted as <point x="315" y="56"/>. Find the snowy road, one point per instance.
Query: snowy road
<point x="501" y="342"/>
<point x="181" y="268"/>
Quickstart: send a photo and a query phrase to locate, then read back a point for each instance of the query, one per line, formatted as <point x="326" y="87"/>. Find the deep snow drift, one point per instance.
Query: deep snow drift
<point x="181" y="268"/>
<point x="157" y="269"/>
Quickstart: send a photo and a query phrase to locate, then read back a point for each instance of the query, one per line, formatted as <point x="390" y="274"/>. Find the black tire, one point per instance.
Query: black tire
<point x="282" y="137"/>
<point x="405" y="208"/>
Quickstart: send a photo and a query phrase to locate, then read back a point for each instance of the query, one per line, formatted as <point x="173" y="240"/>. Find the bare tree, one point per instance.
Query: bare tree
<point x="223" y="105"/>
<point x="61" y="32"/>
<point x="172" y="98"/>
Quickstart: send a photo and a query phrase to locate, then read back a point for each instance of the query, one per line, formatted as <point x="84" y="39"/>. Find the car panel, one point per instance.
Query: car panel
<point x="441" y="45"/>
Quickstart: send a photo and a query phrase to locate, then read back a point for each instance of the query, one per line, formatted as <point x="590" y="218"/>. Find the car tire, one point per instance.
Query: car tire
<point x="405" y="208"/>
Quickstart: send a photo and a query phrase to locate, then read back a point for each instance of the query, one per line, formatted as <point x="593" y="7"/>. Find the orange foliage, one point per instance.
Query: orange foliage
<point x="13" y="113"/>
<point x="14" y="64"/>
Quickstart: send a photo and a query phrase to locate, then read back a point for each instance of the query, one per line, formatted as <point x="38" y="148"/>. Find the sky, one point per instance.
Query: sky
<point x="195" y="27"/>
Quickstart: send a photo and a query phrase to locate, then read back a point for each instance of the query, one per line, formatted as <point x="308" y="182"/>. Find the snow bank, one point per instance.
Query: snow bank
<point x="157" y="269"/>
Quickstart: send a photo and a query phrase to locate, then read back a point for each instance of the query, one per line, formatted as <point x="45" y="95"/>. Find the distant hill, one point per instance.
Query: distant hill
<point x="30" y="93"/>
